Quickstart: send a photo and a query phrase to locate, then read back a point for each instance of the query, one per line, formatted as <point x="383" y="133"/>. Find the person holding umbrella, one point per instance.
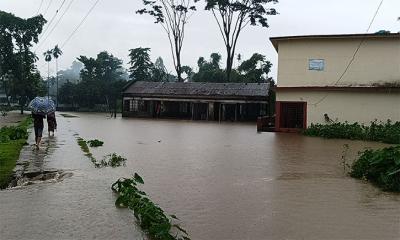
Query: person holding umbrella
<point x="40" y="107"/>
<point x="38" y="126"/>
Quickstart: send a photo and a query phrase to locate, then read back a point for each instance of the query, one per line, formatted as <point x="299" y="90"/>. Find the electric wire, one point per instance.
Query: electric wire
<point x="40" y="6"/>
<point x="80" y="24"/>
<point x="58" y="22"/>
<point x="354" y="55"/>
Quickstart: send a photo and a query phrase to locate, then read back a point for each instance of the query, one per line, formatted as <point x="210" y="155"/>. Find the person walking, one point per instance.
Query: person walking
<point x="38" y="126"/>
<point x="51" y="123"/>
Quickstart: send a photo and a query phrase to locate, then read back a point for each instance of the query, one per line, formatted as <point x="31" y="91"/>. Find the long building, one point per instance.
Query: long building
<point x="196" y="101"/>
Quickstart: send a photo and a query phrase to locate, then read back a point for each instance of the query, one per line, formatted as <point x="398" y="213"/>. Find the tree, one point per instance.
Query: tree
<point x="101" y="81"/>
<point x="47" y="57"/>
<point x="56" y="54"/>
<point x="160" y="73"/>
<point x="141" y="65"/>
<point x="255" y="69"/>
<point x="68" y="93"/>
<point x="172" y="16"/>
<point x="232" y="16"/>
<point x="209" y="71"/>
<point x="17" y="36"/>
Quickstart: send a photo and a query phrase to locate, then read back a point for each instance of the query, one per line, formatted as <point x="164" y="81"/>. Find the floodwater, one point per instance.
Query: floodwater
<point x="224" y="181"/>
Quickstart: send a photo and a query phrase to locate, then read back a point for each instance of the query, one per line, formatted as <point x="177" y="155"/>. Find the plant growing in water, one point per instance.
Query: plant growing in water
<point x="150" y="216"/>
<point x="112" y="160"/>
<point x="381" y="167"/>
<point x="95" y="143"/>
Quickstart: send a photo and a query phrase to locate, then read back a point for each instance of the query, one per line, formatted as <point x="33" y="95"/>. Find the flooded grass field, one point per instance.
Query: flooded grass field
<point x="224" y="181"/>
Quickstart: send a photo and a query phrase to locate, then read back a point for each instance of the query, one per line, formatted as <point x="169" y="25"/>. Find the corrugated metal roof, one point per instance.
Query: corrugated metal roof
<point x="198" y="89"/>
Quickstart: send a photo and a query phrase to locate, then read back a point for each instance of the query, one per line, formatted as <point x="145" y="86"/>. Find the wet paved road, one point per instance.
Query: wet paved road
<point x="223" y="181"/>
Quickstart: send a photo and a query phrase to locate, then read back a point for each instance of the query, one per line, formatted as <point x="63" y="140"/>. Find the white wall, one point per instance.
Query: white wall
<point x="378" y="61"/>
<point x="362" y="107"/>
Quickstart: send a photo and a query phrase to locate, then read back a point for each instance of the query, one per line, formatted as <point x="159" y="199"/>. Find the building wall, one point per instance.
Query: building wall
<point x="378" y="61"/>
<point x="362" y="107"/>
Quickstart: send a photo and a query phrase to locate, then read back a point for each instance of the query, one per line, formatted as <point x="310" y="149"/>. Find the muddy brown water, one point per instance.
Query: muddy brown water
<point x="224" y="181"/>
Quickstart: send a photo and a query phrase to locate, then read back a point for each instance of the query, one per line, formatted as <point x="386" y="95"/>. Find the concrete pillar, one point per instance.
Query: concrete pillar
<point x="210" y="111"/>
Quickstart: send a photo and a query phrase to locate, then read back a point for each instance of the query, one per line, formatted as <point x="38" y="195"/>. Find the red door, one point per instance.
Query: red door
<point x="291" y="116"/>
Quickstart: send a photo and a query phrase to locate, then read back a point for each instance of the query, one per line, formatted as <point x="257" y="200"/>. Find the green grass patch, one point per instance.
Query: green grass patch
<point x="12" y="139"/>
<point x="388" y="132"/>
<point x="151" y="218"/>
<point x="381" y="167"/>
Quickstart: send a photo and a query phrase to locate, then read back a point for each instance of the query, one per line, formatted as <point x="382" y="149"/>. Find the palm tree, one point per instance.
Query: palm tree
<point x="56" y="54"/>
<point x="47" y="57"/>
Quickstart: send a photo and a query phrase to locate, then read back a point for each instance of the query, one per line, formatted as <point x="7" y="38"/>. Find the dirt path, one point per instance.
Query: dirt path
<point x="11" y="119"/>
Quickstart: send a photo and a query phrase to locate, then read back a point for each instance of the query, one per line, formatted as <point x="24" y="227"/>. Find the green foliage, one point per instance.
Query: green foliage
<point x="11" y="143"/>
<point x="173" y="17"/>
<point x="112" y="160"/>
<point x="382" y="132"/>
<point x="11" y="133"/>
<point x="95" y="143"/>
<point x="19" y="76"/>
<point x="150" y="216"/>
<point x="381" y="167"/>
<point x="233" y="16"/>
<point x="141" y="65"/>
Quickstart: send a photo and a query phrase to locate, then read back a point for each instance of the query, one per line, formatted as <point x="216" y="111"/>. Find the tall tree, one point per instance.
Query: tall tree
<point x="56" y="54"/>
<point x="47" y="57"/>
<point x="232" y="16"/>
<point x="141" y="65"/>
<point x="160" y="73"/>
<point x="17" y="36"/>
<point x="209" y="71"/>
<point x="101" y="81"/>
<point x="255" y="69"/>
<point x="173" y="16"/>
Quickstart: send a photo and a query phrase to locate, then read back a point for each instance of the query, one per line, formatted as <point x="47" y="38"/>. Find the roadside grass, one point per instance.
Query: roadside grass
<point x="12" y="139"/>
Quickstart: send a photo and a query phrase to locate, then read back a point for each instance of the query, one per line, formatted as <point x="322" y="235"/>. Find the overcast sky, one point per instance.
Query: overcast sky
<point x="113" y="26"/>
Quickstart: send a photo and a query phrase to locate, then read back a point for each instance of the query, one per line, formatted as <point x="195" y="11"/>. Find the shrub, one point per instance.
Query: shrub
<point x="382" y="132"/>
<point x="382" y="167"/>
<point x="112" y="160"/>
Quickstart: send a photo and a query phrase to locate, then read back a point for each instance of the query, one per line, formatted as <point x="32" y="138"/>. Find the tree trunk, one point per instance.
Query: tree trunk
<point x="229" y="62"/>
<point x="57" y="82"/>
<point x="179" y="67"/>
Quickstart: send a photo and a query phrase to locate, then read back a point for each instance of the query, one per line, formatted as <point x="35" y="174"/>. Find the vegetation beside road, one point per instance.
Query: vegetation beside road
<point x="388" y="132"/>
<point x="381" y="167"/>
<point x="12" y="139"/>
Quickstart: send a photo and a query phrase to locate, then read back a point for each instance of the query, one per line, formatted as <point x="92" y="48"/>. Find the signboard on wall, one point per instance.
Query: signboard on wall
<point x="316" y="64"/>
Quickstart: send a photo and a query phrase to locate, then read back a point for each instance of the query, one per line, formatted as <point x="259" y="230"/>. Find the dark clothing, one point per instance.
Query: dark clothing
<point x="38" y="124"/>
<point x="37" y="120"/>
<point x="51" y="122"/>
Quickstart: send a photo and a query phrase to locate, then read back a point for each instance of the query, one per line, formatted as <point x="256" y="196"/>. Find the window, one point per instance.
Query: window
<point x="316" y="64"/>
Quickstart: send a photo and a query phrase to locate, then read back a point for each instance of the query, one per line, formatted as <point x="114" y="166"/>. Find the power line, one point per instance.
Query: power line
<point x="40" y="6"/>
<point x="48" y="25"/>
<point x="354" y="55"/>
<point x="80" y="24"/>
<point x="48" y="6"/>
<point x="58" y="22"/>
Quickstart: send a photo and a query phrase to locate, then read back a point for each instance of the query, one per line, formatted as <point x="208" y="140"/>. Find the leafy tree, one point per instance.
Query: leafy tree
<point x="255" y="69"/>
<point x="101" y="81"/>
<point x="47" y="57"/>
<point x="209" y="71"/>
<point x="160" y="73"/>
<point x="141" y="65"/>
<point x="232" y="16"/>
<point x="56" y="54"/>
<point x="172" y="16"/>
<point x="68" y="93"/>
<point x="17" y="36"/>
